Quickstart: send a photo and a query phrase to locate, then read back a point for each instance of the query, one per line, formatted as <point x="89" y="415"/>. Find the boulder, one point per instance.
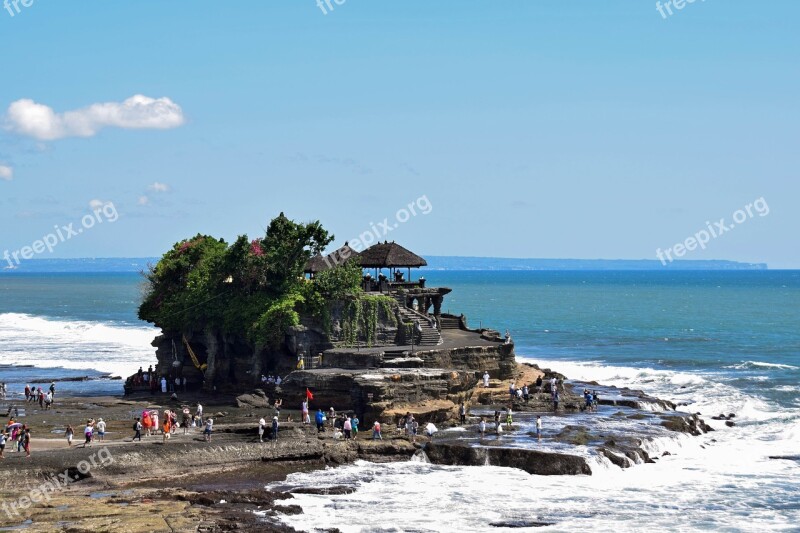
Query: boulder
<point x="531" y="461"/>
<point x="256" y="399"/>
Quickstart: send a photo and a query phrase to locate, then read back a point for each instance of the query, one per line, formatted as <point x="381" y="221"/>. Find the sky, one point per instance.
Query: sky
<point x="544" y="129"/>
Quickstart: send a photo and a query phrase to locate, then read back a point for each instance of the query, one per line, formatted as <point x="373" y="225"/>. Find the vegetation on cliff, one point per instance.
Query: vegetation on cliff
<point x="256" y="289"/>
<point x="251" y="288"/>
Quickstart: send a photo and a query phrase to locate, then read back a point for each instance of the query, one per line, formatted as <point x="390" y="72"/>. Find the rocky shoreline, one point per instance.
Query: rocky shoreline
<point x="187" y="484"/>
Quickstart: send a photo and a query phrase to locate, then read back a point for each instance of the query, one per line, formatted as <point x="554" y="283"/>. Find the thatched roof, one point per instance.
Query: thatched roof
<point x="320" y="263"/>
<point x="388" y="255"/>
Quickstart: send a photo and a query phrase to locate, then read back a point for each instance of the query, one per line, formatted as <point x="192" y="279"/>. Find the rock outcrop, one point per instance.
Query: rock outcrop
<point x="531" y="461"/>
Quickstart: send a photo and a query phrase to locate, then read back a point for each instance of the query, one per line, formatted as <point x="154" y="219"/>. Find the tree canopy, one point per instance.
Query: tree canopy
<point x="253" y="288"/>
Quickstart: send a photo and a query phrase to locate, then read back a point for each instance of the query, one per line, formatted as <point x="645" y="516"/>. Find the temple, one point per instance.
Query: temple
<point x="390" y="344"/>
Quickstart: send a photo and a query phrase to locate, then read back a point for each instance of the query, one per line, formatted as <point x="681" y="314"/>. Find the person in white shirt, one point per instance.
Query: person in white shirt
<point x="262" y="426"/>
<point x="101" y="430"/>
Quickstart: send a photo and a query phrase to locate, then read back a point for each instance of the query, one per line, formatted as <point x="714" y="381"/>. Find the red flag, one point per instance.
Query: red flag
<point x="309" y="395"/>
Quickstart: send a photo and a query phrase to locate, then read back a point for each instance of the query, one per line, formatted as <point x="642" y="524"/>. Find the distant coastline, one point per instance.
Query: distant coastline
<point x="137" y="264"/>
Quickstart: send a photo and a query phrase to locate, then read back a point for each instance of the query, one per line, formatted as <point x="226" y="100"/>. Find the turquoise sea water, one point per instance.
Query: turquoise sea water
<point x="714" y="342"/>
<point x="742" y="327"/>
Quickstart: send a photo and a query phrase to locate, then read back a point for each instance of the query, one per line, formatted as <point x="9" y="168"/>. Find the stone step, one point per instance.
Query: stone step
<point x="450" y="323"/>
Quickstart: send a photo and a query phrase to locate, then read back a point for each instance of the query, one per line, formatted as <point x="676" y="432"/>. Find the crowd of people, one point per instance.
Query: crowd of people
<point x="19" y="435"/>
<point x="344" y="425"/>
<point x="152" y="423"/>
<point x="43" y="398"/>
<point x="271" y="380"/>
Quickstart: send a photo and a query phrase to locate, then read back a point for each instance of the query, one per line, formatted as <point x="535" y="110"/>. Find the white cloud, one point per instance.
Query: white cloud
<point x="6" y="173"/>
<point x="143" y="200"/>
<point x="97" y="204"/>
<point x="159" y="187"/>
<point x="26" y="117"/>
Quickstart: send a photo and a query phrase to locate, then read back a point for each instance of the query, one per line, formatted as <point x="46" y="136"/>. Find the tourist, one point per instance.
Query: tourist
<point x="555" y="401"/>
<point x="278" y="381"/>
<point x="519" y="394"/>
<point x="209" y="428"/>
<point x="354" y="424"/>
<point x="486" y="379"/>
<point x="539" y="384"/>
<point x="462" y="414"/>
<point x="88" y="432"/>
<point x="163" y="384"/>
<point x="3" y="437"/>
<point x="525" y="393"/>
<point x="553" y="385"/>
<point x="320" y="420"/>
<point x="154" y="422"/>
<point x="332" y="416"/>
<point x="538" y="427"/>
<point x="137" y="428"/>
<point x="482" y="427"/>
<point x="26" y="442"/>
<point x="53" y="389"/>
<point x="376" y="431"/>
<point x="173" y="420"/>
<point x="277" y="408"/>
<point x="412" y="435"/>
<point x="508" y="337"/>
<point x="304" y="408"/>
<point x="101" y="430"/>
<point x="147" y="423"/>
<point x="167" y="428"/>
<point x="199" y="414"/>
<point x="40" y="394"/>
<point x="27" y="393"/>
<point x="497" y="418"/>
<point x="187" y="419"/>
<point x="595" y="400"/>
<point x="275" y="427"/>
<point x="262" y="427"/>
<point x="587" y="399"/>
<point x="508" y="417"/>
<point x="512" y="390"/>
<point x="69" y="434"/>
<point x="430" y="430"/>
<point x="48" y="400"/>
<point x="21" y="438"/>
<point x="347" y="428"/>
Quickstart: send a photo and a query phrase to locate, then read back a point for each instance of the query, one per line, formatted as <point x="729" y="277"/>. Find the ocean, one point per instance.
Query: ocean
<point x="712" y="341"/>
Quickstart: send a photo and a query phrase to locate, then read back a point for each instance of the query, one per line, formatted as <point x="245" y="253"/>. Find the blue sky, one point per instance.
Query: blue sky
<point x="564" y="129"/>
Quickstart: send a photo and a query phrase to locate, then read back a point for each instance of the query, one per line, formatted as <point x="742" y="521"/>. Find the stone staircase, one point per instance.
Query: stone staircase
<point x="450" y="322"/>
<point x="429" y="336"/>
